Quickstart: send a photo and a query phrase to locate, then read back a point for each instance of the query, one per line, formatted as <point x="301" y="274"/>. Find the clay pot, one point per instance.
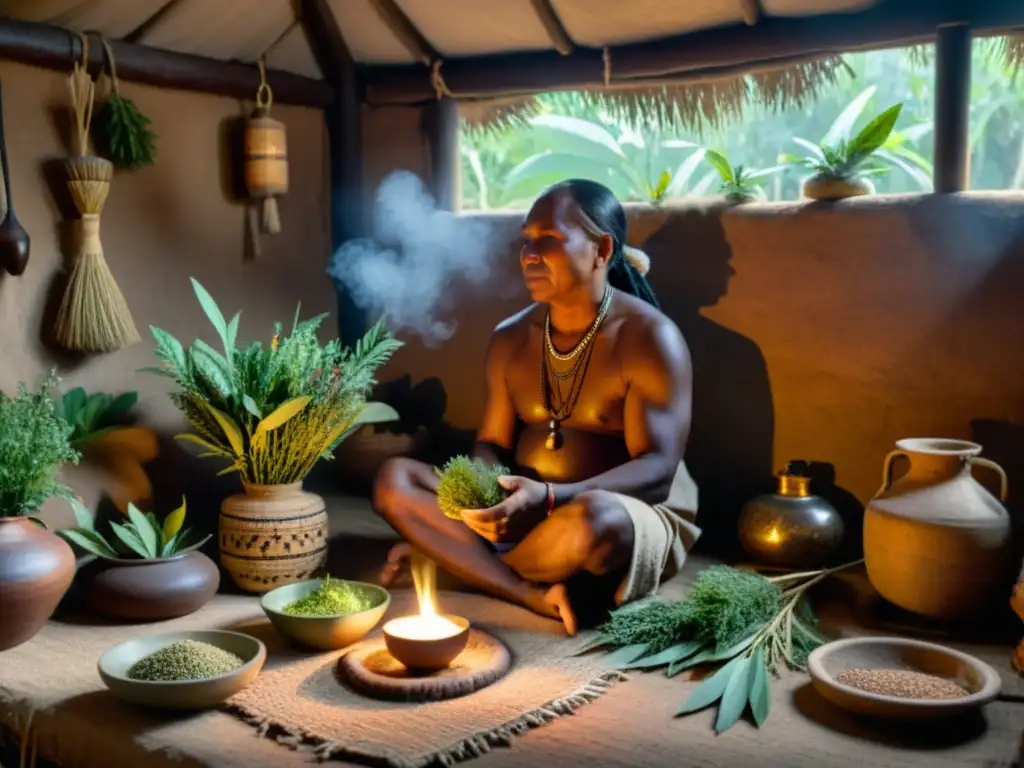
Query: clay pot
<point x="815" y="188"/>
<point x="36" y="569"/>
<point x="149" y="590"/>
<point x="936" y="542"/>
<point x="272" y="535"/>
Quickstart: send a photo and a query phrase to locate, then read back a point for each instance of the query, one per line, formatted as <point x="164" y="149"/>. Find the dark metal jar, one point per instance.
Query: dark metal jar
<point x="791" y="527"/>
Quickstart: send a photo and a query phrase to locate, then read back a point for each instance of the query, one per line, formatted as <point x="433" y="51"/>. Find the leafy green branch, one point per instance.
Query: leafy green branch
<point x="756" y="625"/>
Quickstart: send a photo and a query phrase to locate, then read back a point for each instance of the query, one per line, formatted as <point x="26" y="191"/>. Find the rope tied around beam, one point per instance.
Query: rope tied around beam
<point x="264" y="94"/>
<point x="437" y="80"/>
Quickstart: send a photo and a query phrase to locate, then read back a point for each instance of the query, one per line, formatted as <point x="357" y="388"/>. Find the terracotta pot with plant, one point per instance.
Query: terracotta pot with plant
<point x="36" y="566"/>
<point x="842" y="170"/>
<point x="146" y="570"/>
<point x="273" y="413"/>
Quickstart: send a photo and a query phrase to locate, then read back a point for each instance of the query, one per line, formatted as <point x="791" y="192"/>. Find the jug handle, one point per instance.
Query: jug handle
<point x="989" y="464"/>
<point x="887" y="470"/>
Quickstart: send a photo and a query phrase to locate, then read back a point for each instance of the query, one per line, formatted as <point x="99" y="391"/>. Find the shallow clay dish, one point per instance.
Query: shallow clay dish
<point x="325" y="633"/>
<point x="188" y="694"/>
<point x="980" y="680"/>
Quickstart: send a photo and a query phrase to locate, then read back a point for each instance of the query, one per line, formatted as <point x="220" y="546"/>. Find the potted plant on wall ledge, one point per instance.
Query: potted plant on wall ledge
<point x="146" y="570"/>
<point x="738" y="185"/>
<point x="273" y="412"/>
<point x="36" y="566"/>
<point x="841" y="170"/>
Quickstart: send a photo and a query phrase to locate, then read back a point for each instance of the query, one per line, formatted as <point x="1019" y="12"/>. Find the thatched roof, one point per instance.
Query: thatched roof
<point x="435" y="39"/>
<point x="245" y="29"/>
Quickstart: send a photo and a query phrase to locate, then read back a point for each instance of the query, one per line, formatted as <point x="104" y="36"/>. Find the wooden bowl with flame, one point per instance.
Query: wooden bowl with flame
<point x="426" y="642"/>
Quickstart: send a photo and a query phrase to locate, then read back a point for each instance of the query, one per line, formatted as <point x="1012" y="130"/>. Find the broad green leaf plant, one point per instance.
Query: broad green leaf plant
<point x="93" y="415"/>
<point x="143" y="537"/>
<point x="738" y="184"/>
<point x="876" y="149"/>
<point x="753" y="626"/>
<point x="273" y="412"/>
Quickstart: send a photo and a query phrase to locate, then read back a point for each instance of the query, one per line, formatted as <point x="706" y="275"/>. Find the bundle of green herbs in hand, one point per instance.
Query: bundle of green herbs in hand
<point x="466" y="483"/>
<point x="34" y="442"/>
<point x="754" y="625"/>
<point x="142" y="537"/>
<point x="274" y="411"/>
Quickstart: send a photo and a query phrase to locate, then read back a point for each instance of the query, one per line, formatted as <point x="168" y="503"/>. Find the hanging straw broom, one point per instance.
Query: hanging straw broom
<point x="93" y="315"/>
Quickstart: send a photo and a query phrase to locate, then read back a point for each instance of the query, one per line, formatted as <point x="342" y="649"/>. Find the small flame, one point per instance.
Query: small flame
<point x="424" y="578"/>
<point x="428" y="625"/>
<point x="773" y="537"/>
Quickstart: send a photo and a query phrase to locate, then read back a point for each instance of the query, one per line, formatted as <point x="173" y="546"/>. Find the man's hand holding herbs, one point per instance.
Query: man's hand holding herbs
<point x="512" y="519"/>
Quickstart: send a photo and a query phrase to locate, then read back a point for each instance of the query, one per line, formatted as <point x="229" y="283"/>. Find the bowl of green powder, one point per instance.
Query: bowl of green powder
<point x="196" y="669"/>
<point x="326" y="614"/>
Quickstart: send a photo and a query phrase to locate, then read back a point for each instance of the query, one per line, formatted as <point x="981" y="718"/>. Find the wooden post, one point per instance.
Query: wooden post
<point x="344" y="136"/>
<point x="952" y="108"/>
<point x="441" y="126"/>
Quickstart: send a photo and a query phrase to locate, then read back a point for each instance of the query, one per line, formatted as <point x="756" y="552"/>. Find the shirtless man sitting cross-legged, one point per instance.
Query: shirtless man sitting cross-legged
<point x="588" y="400"/>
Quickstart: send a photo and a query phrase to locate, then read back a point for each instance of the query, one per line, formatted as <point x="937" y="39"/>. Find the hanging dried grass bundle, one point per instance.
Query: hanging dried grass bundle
<point x="93" y="314"/>
<point x="121" y="132"/>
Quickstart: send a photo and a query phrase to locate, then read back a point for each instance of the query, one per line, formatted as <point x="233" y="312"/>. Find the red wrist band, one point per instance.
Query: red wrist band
<point x="551" y="498"/>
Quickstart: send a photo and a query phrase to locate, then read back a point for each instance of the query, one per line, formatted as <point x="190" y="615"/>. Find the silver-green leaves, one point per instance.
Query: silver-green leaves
<point x="741" y="682"/>
<point x="142" y="537"/>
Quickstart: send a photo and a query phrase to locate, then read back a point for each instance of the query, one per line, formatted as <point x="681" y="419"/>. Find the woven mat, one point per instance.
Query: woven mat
<point x="299" y="701"/>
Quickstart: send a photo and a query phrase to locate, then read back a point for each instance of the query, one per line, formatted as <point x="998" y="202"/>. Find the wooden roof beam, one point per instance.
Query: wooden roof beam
<point x="402" y="27"/>
<point x="554" y="27"/>
<point x="751" y="10"/>
<point x="719" y="50"/>
<point x="51" y="47"/>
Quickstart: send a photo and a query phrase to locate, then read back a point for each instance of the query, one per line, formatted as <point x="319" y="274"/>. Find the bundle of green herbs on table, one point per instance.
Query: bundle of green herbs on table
<point x="753" y="625"/>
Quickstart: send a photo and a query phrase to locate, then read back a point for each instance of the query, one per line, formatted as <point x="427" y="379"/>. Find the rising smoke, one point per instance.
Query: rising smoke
<point x="418" y="258"/>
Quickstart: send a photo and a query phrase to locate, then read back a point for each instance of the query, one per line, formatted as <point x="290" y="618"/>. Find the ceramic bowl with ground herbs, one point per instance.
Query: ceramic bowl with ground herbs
<point x="326" y="614"/>
<point x="891" y="677"/>
<point x="182" y="670"/>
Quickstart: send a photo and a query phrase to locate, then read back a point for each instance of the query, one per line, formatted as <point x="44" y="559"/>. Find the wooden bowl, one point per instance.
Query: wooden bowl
<point x="326" y="633"/>
<point x="187" y="694"/>
<point x="426" y="654"/>
<point x="980" y="680"/>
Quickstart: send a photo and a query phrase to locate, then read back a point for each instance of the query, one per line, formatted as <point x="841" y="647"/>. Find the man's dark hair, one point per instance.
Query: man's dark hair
<point x="599" y="204"/>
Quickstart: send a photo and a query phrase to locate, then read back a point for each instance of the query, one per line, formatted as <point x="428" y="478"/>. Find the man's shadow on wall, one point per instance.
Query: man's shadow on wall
<point x="729" y="453"/>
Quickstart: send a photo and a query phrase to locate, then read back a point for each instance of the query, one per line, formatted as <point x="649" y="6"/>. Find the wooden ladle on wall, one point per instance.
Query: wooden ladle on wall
<point x="14" y="240"/>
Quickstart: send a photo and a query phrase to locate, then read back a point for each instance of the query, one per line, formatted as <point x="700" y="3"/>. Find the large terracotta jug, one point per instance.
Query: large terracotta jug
<point x="36" y="569"/>
<point x="936" y="542"/>
<point x="272" y="535"/>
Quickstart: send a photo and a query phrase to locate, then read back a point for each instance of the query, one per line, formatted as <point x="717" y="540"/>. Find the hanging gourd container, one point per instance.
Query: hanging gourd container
<point x="266" y="157"/>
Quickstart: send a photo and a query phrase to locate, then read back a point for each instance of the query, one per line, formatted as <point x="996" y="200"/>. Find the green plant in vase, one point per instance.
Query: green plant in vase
<point x="465" y="483"/>
<point x="739" y="185"/>
<point x="147" y="569"/>
<point x="36" y="566"/>
<point x="273" y="412"/>
<point x="842" y="169"/>
<point x="141" y="537"/>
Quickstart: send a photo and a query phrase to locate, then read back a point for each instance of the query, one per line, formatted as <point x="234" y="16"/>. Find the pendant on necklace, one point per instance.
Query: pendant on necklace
<point x="554" y="438"/>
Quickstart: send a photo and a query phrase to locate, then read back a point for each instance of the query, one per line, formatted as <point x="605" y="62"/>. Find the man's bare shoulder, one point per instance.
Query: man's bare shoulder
<point x="646" y="332"/>
<point x="513" y="332"/>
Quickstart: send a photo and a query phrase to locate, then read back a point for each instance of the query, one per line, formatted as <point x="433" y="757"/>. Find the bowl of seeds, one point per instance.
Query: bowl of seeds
<point x="326" y="614"/>
<point x="182" y="670"/>
<point x="892" y="677"/>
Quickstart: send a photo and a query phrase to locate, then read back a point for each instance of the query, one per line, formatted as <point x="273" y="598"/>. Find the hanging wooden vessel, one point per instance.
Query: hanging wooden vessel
<point x="266" y="165"/>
